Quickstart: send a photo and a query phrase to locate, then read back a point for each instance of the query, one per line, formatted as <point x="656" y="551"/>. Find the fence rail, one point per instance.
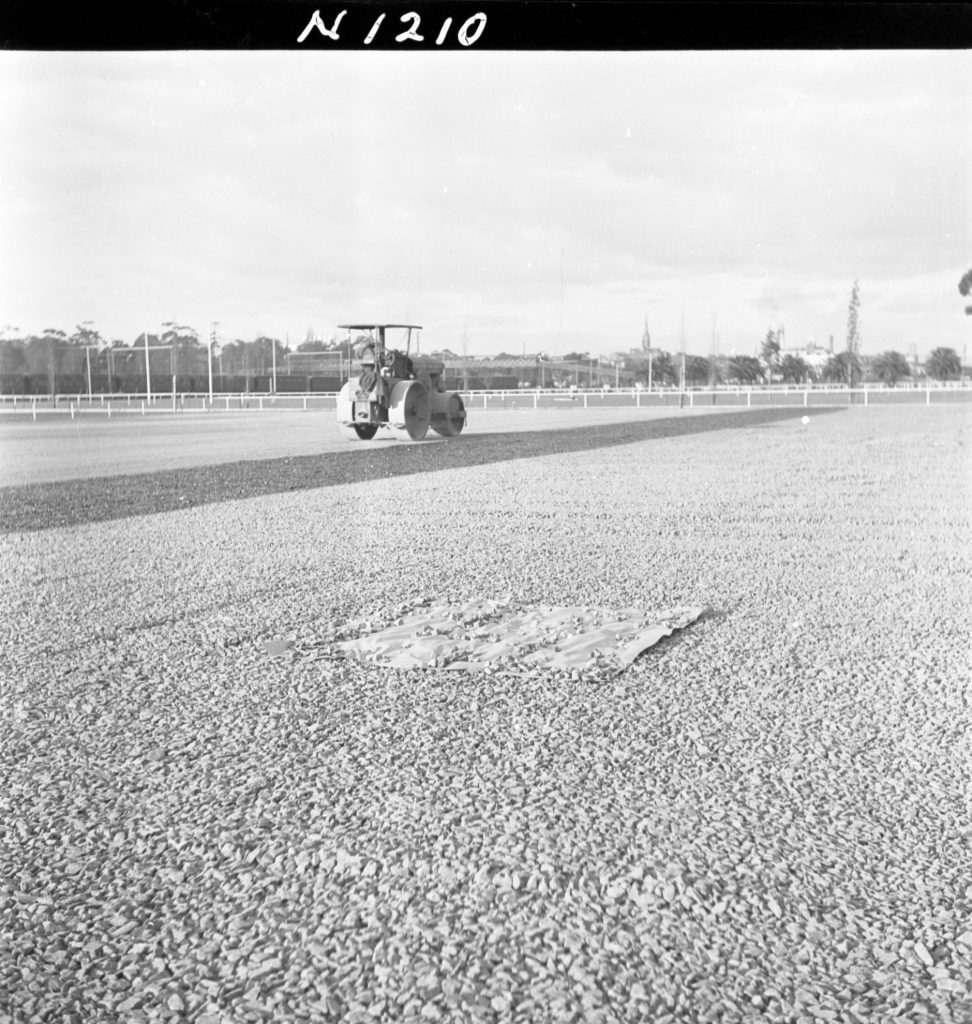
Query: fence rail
<point x="593" y="398"/>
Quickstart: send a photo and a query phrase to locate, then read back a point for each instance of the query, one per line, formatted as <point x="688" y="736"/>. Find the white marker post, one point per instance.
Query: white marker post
<point x="212" y="331"/>
<point x="148" y="373"/>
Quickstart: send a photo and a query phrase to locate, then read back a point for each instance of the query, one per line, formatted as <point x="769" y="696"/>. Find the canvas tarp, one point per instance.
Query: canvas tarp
<point x="479" y="634"/>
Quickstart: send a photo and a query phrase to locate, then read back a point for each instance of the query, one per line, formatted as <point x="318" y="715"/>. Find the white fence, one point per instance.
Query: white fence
<point x="735" y="397"/>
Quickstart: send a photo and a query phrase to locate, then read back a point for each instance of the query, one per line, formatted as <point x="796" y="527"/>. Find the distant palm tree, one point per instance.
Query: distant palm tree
<point x="890" y="367"/>
<point x="697" y="370"/>
<point x="745" y="369"/>
<point x="795" y="368"/>
<point x="842" y="368"/>
<point x="663" y="369"/>
<point x="943" y="364"/>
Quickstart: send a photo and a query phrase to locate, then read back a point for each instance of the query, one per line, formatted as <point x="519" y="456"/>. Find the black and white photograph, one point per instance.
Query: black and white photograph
<point x="485" y="526"/>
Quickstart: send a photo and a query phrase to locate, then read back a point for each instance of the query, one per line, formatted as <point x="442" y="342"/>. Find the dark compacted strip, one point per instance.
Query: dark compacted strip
<point x="73" y="502"/>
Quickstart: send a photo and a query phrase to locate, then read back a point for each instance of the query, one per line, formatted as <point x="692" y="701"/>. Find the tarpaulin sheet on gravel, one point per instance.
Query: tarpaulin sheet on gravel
<point x="479" y="634"/>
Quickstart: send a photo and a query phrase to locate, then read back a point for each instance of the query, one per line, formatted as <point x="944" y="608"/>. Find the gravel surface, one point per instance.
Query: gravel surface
<point x="75" y="494"/>
<point x="57" y="447"/>
<point x="766" y="818"/>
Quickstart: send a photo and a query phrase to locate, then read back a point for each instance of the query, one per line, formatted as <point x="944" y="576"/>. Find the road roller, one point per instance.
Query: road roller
<point x="395" y="390"/>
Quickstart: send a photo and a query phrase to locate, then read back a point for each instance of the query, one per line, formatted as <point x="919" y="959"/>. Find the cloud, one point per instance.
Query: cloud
<point x="531" y="196"/>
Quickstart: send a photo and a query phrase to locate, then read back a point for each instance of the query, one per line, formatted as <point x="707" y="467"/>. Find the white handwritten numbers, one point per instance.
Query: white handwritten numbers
<point x="467" y="35"/>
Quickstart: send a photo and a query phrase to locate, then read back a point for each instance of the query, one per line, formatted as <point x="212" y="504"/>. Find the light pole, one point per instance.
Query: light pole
<point x="212" y="339"/>
<point x="148" y="372"/>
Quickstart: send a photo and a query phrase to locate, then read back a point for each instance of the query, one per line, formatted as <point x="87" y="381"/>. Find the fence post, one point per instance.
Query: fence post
<point x="927" y="396"/>
<point x="71" y="407"/>
<point x="865" y="396"/>
<point x="749" y="399"/>
<point x="534" y="399"/>
<point x="805" y="393"/>
<point x="33" y="408"/>
<point x="485" y="399"/>
<point x="143" y="408"/>
<point x="305" y="403"/>
<point x="691" y="399"/>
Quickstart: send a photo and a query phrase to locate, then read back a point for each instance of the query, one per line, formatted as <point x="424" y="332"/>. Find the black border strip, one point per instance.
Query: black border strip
<point x="509" y="25"/>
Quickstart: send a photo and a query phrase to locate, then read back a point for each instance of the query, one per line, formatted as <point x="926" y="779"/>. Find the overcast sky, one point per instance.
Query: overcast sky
<point x="522" y="201"/>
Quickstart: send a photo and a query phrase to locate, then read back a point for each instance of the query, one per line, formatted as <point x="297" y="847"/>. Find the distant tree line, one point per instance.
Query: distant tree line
<point x="54" y="361"/>
<point x="57" y="362"/>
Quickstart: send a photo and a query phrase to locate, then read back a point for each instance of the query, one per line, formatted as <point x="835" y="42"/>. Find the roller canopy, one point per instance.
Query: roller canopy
<point x="371" y="327"/>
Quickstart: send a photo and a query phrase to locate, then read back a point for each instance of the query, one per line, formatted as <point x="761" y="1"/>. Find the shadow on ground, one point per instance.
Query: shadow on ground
<point x="73" y="502"/>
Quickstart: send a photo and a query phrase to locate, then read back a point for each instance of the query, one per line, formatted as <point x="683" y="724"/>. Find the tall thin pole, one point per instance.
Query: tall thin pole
<point x="681" y="383"/>
<point x="212" y="338"/>
<point x="465" y="349"/>
<point x="560" y="329"/>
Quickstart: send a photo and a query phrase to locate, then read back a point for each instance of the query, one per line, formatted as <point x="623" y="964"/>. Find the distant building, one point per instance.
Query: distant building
<point x="814" y="355"/>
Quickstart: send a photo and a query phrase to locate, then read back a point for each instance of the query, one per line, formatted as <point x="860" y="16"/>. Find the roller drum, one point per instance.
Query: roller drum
<point x="448" y="413"/>
<point x="409" y="410"/>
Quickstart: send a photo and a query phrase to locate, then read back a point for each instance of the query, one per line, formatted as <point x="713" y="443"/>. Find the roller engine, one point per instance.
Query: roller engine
<point x="395" y="390"/>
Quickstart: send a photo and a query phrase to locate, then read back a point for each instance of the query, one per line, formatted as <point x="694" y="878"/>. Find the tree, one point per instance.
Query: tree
<point x="13" y="358"/>
<point x="313" y="345"/>
<point x="890" y="367"/>
<point x="189" y="355"/>
<point x="745" y="370"/>
<point x="795" y="368"/>
<point x="84" y="338"/>
<point x="770" y="349"/>
<point x="577" y="357"/>
<point x="697" y="370"/>
<point x="943" y="364"/>
<point x="333" y="344"/>
<point x="663" y="369"/>
<point x="854" y="335"/>
<point x="271" y="346"/>
<point x="85" y="334"/>
<point x="717" y="369"/>
<point x="965" y="288"/>
<point x="842" y="368"/>
<point x="44" y="354"/>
